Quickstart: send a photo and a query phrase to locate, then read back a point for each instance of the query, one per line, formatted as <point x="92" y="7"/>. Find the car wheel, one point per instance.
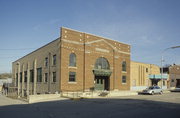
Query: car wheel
<point x="152" y="93"/>
<point x="161" y="92"/>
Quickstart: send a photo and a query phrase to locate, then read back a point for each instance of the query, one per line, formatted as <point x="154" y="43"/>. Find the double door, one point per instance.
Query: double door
<point x="101" y="83"/>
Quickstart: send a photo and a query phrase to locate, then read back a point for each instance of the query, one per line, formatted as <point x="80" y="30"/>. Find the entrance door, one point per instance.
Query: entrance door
<point x="154" y="81"/>
<point x="101" y="83"/>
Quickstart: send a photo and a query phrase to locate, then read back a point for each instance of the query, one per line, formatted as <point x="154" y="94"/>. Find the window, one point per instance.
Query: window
<point x="72" y="76"/>
<point x="46" y="62"/>
<point x="54" y="76"/>
<point x="124" y="66"/>
<point x="16" y="79"/>
<point x="157" y="87"/>
<point x="147" y="70"/>
<point x="172" y="80"/>
<point x="20" y="76"/>
<point x="102" y="63"/>
<point x="54" y="60"/>
<point x="46" y="77"/>
<point x="31" y="75"/>
<point x="123" y="79"/>
<point x="72" y="60"/>
<point x="39" y="74"/>
<point x="25" y="76"/>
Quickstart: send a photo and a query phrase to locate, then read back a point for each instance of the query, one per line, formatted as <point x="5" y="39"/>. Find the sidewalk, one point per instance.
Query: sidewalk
<point x="4" y="101"/>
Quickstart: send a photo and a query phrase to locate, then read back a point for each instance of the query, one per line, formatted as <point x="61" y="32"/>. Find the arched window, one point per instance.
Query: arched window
<point x="72" y="60"/>
<point x="124" y="66"/>
<point x="102" y="63"/>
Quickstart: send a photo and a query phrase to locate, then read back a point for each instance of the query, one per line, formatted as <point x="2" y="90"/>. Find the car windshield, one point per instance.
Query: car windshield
<point x="151" y="87"/>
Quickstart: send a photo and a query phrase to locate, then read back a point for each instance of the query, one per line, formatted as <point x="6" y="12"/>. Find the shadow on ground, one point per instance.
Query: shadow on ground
<point x="93" y="108"/>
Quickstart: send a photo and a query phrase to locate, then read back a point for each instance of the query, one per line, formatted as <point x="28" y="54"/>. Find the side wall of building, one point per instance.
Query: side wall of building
<point x="32" y="62"/>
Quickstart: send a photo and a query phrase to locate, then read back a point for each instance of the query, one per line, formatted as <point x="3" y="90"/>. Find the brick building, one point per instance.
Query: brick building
<point x="174" y="75"/>
<point x="76" y="61"/>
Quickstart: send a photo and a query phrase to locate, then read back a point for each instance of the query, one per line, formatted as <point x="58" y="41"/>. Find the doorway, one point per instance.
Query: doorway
<point x="101" y="83"/>
<point x="155" y="81"/>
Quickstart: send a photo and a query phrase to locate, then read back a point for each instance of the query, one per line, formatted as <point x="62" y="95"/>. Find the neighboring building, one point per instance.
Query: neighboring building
<point x="76" y="61"/>
<point x="5" y="81"/>
<point x="174" y="75"/>
<point x="144" y="75"/>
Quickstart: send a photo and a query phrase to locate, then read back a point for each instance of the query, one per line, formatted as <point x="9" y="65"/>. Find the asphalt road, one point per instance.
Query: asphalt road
<point x="141" y="106"/>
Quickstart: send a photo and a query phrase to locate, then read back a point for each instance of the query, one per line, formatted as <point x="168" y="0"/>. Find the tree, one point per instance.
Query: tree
<point x="5" y="75"/>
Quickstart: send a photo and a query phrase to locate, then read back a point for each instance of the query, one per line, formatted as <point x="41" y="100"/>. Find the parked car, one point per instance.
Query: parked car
<point x="152" y="90"/>
<point x="177" y="89"/>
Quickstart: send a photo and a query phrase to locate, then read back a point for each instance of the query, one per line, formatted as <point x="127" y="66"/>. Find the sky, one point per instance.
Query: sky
<point x="149" y="26"/>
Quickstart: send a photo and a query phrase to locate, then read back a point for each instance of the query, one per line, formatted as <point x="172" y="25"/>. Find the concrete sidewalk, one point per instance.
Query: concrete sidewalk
<point x="45" y="98"/>
<point x="4" y="101"/>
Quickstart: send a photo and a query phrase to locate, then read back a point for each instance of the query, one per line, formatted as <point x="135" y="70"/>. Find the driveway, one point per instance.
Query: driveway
<point x="141" y="106"/>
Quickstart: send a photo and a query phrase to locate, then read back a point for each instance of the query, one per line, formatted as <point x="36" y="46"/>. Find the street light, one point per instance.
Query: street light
<point x="163" y="60"/>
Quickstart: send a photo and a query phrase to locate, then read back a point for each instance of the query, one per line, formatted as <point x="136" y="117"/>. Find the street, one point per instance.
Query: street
<point x="140" y="106"/>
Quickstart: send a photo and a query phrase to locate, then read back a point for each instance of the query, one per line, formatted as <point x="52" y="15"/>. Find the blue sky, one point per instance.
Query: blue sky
<point x="149" y="26"/>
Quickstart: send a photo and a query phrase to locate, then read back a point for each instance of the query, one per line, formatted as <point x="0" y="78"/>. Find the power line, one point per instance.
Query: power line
<point x="17" y="48"/>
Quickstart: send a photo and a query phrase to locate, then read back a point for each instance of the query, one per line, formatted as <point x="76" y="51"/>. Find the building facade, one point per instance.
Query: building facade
<point x="174" y="75"/>
<point x="144" y="75"/>
<point x="76" y="61"/>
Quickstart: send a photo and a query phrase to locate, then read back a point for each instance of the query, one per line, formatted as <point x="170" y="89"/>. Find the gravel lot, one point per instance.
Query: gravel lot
<point x="141" y="106"/>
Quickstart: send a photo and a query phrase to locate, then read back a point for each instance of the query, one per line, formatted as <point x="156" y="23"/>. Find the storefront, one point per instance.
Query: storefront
<point x="160" y="80"/>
